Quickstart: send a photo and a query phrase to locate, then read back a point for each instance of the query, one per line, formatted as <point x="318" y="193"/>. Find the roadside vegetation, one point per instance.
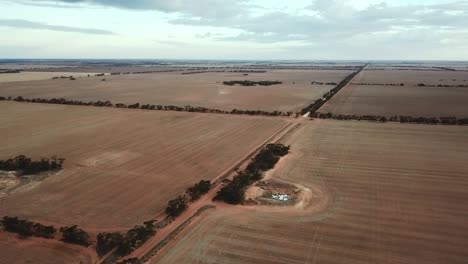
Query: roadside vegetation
<point x="312" y="108"/>
<point x="233" y="192"/>
<point x="26" y="166"/>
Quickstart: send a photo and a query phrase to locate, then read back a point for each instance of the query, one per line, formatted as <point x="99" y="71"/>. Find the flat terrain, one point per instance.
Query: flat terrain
<point x="388" y="193"/>
<point x="413" y="77"/>
<point x="403" y="100"/>
<point x="33" y="250"/>
<point x="123" y="165"/>
<point x="37" y="76"/>
<point x="204" y="89"/>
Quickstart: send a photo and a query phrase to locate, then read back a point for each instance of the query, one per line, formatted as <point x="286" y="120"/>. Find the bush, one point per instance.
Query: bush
<point x="108" y="241"/>
<point x="135" y="237"/>
<point x="176" y="206"/>
<point x="75" y="235"/>
<point x="198" y="190"/>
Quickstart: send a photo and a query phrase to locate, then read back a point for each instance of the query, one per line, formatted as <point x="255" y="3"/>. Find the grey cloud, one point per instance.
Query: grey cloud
<point x="19" y="23"/>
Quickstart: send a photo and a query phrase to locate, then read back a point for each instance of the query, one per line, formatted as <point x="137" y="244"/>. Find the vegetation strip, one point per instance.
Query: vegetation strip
<point x="26" y="166"/>
<point x="397" y="119"/>
<point x="327" y="96"/>
<point x="99" y="103"/>
<point x="233" y="192"/>
<point x="251" y="83"/>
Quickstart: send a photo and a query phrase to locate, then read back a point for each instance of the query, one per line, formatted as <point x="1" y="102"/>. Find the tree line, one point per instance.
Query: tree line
<point x="312" y="108"/>
<point x="380" y="84"/>
<point x="27" y="166"/>
<point x="108" y="103"/>
<point x="442" y="85"/>
<point x="251" y="83"/>
<point x="234" y="191"/>
<point x="398" y="119"/>
<point x="27" y="228"/>
<point x="323" y="83"/>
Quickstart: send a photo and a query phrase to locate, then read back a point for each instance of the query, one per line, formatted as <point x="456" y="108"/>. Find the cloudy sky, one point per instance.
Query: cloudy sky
<point x="235" y="29"/>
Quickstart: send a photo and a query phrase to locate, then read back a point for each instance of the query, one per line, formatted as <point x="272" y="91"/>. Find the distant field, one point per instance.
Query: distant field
<point x="205" y="89"/>
<point x="32" y="250"/>
<point x="396" y="195"/>
<point x="413" y="77"/>
<point x="37" y="76"/>
<point x="403" y="100"/>
<point x="123" y="165"/>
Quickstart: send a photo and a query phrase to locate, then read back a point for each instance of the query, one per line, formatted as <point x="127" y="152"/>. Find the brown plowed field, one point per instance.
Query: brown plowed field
<point x="205" y="89"/>
<point x="123" y="165"/>
<point x="41" y="251"/>
<point x="396" y="195"/>
<point x="410" y="77"/>
<point x="402" y="100"/>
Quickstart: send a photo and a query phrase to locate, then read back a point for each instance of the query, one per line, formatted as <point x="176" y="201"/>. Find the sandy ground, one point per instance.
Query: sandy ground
<point x="389" y="101"/>
<point x="397" y="195"/>
<point x="14" y="249"/>
<point x="122" y="165"/>
<point x="37" y="76"/>
<point x="204" y="89"/>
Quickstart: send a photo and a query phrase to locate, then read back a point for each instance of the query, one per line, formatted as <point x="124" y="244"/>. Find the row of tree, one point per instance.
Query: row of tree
<point x="323" y="83"/>
<point x="399" y="119"/>
<point x="136" y="236"/>
<point x="100" y="103"/>
<point x="312" y="108"/>
<point x="380" y="84"/>
<point x="234" y="191"/>
<point x="251" y="83"/>
<point x="442" y="85"/>
<point x="24" y="227"/>
<point x="26" y="166"/>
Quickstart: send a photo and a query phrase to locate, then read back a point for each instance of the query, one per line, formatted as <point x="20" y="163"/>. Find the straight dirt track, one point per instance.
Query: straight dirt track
<point x="123" y="165"/>
<point x="394" y="195"/>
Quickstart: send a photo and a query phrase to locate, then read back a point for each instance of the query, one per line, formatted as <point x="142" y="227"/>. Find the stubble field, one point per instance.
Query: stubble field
<point x="123" y="165"/>
<point x="409" y="99"/>
<point x="203" y="89"/>
<point x="388" y="193"/>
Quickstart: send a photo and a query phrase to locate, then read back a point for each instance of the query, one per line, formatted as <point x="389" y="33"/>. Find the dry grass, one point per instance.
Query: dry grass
<point x="122" y="165"/>
<point x="204" y="89"/>
<point x="396" y="194"/>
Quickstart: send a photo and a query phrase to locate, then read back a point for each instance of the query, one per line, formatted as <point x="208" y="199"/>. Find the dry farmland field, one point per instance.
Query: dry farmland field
<point x="409" y="99"/>
<point x="204" y="89"/>
<point x="38" y="76"/>
<point x="388" y="193"/>
<point x="122" y="165"/>
<point x="32" y="250"/>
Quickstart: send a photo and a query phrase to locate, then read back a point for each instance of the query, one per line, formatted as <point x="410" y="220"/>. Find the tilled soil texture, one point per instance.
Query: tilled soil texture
<point x="122" y="166"/>
<point x="396" y="193"/>
<point x="202" y="89"/>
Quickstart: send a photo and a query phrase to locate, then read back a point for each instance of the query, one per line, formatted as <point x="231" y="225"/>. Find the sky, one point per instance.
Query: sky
<point x="235" y="29"/>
